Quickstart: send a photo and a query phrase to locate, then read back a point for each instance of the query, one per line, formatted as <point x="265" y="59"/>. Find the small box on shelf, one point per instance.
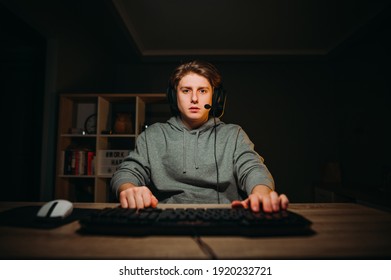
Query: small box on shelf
<point x="109" y="161"/>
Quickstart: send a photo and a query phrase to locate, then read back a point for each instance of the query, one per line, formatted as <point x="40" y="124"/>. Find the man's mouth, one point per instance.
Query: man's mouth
<point x="194" y="109"/>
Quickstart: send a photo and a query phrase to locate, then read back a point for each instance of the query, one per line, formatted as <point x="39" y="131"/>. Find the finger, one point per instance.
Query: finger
<point x="266" y="203"/>
<point x="284" y="201"/>
<point x="123" y="200"/>
<point x="255" y="202"/>
<point x="154" y="202"/>
<point x="139" y="200"/>
<point x="146" y="198"/>
<point x="149" y="199"/>
<point x="245" y="203"/>
<point x="239" y="204"/>
<point x="131" y="200"/>
<point x="275" y="201"/>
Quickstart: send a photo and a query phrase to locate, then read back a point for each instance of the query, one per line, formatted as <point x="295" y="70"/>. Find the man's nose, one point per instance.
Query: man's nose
<point x="194" y="97"/>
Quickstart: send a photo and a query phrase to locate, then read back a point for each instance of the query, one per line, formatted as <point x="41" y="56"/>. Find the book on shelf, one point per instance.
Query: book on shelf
<point x="78" y="162"/>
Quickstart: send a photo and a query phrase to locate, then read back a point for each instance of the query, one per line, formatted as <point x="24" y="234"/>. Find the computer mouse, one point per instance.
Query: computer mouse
<point x="55" y="209"/>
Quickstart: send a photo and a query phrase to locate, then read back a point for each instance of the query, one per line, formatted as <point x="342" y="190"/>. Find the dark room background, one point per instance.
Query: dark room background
<point x="303" y="113"/>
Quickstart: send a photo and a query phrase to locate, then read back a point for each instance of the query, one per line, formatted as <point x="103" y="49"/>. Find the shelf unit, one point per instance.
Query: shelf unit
<point x="74" y="109"/>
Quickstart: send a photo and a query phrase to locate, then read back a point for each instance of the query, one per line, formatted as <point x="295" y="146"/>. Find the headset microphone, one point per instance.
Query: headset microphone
<point x="207" y="106"/>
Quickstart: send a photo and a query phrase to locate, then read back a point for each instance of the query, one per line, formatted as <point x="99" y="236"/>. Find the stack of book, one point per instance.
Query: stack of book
<point x="78" y="162"/>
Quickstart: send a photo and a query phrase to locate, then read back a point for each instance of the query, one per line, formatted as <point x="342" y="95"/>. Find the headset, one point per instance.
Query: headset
<point x="217" y="107"/>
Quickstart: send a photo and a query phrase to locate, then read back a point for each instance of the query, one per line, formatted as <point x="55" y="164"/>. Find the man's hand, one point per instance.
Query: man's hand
<point x="264" y="197"/>
<point x="132" y="196"/>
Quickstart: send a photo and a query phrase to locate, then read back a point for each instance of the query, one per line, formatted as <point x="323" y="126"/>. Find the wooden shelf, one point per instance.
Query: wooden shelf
<point x="74" y="109"/>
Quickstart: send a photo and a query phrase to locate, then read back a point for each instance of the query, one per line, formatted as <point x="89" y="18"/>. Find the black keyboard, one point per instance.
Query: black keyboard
<point x="194" y="221"/>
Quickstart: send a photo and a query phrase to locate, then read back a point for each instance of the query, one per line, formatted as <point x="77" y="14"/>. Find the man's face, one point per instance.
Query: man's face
<point x="193" y="92"/>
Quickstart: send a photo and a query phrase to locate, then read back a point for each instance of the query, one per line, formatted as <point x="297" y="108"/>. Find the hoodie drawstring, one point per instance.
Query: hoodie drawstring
<point x="196" y="150"/>
<point x="184" y="151"/>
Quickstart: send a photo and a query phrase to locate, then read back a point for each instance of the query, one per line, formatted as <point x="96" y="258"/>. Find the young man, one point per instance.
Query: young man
<point x="194" y="157"/>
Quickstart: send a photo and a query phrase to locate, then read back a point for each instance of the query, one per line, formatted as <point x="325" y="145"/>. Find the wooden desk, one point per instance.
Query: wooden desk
<point x="372" y="197"/>
<point x="343" y="231"/>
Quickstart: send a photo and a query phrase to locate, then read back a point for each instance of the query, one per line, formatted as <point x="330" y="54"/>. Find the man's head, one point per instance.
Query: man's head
<point x="203" y="69"/>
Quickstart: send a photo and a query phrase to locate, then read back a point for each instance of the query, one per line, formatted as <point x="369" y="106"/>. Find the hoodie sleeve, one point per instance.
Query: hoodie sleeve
<point x="249" y="165"/>
<point x="134" y="169"/>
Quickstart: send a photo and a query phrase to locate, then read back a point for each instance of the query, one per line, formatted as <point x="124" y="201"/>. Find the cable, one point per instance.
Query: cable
<point x="217" y="166"/>
<point x="208" y="106"/>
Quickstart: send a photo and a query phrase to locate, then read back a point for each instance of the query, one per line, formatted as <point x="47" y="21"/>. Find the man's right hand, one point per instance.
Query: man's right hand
<point x="132" y="196"/>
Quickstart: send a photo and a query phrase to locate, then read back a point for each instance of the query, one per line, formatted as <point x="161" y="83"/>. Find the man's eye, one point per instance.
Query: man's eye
<point x="185" y="90"/>
<point x="203" y="91"/>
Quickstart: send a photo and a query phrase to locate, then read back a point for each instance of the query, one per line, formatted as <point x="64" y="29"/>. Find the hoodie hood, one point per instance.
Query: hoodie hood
<point x="208" y="127"/>
<point x="176" y="123"/>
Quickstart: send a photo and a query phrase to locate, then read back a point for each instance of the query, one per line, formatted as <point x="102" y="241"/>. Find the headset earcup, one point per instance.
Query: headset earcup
<point x="171" y="97"/>
<point x="218" y="99"/>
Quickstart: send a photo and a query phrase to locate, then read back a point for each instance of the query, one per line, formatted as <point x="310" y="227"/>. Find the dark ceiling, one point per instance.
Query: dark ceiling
<point x="243" y="27"/>
<point x="152" y="28"/>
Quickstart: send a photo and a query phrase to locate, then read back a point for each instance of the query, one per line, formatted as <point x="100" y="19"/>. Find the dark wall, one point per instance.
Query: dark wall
<point x="22" y="70"/>
<point x="301" y="113"/>
<point x="304" y="114"/>
<point x="362" y="89"/>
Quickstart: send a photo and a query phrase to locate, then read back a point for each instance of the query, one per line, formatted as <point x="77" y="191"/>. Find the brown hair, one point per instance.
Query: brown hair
<point x="205" y="69"/>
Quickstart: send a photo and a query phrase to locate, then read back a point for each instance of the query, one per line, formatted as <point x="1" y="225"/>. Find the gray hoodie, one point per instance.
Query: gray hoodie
<point x="179" y="166"/>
